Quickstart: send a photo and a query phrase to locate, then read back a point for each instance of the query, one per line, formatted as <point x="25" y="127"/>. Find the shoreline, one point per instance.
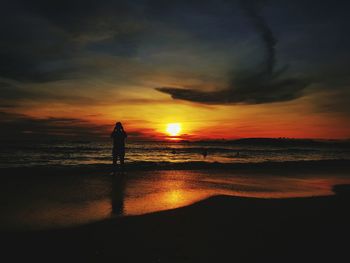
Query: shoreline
<point x="305" y="166"/>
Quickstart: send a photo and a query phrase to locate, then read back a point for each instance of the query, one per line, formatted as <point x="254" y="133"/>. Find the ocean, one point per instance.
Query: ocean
<point x="57" y="153"/>
<point x="57" y="184"/>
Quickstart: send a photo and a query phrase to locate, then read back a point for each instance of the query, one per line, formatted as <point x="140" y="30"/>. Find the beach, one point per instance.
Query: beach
<point x="149" y="131"/>
<point x="243" y="220"/>
<point x="37" y="198"/>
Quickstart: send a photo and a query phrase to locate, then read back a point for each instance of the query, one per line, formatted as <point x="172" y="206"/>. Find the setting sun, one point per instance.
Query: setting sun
<point x="173" y="129"/>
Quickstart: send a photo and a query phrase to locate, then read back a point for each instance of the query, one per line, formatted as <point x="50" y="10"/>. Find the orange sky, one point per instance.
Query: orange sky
<point x="145" y="115"/>
<point x="223" y="69"/>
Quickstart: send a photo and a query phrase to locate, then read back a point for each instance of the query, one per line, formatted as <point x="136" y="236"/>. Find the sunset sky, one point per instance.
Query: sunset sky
<point x="222" y="69"/>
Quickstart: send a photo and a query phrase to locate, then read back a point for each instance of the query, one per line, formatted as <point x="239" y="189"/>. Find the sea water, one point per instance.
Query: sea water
<point x="19" y="154"/>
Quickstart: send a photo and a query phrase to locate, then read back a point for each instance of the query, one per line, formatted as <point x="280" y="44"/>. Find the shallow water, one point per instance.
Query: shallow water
<point x="37" y="202"/>
<point x="19" y="154"/>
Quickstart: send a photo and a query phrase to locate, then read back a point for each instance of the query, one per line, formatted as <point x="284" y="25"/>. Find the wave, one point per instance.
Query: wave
<point x="217" y="165"/>
<point x="175" y="149"/>
<point x="284" y="166"/>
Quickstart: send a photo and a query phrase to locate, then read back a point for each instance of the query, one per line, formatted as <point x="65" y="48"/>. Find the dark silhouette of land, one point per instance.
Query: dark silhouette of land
<point x="219" y="229"/>
<point x="280" y="142"/>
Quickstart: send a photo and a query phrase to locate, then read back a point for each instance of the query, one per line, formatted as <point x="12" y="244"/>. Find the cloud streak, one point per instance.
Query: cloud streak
<point x="265" y="84"/>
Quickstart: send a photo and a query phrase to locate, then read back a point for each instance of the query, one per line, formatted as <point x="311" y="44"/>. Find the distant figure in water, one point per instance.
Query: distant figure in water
<point x="205" y="153"/>
<point x="237" y="154"/>
<point x="118" y="135"/>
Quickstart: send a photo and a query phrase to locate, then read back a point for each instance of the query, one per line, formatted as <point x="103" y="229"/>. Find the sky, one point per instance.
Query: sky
<point x="222" y="69"/>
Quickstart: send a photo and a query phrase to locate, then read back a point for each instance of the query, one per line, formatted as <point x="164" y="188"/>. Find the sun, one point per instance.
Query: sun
<point x="173" y="129"/>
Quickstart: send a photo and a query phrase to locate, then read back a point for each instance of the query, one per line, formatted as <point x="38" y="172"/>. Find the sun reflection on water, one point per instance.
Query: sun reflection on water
<point x="174" y="197"/>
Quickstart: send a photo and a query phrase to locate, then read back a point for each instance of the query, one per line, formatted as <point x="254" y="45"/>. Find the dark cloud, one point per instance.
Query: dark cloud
<point x="23" y="127"/>
<point x="11" y="92"/>
<point x="45" y="41"/>
<point x="13" y="95"/>
<point x="263" y="85"/>
<point x="19" y="126"/>
<point x="251" y="8"/>
<point x="250" y="91"/>
<point x="334" y="102"/>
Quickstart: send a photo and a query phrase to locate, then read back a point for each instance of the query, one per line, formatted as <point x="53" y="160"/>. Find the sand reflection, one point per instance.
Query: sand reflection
<point x="163" y="190"/>
<point x="49" y="202"/>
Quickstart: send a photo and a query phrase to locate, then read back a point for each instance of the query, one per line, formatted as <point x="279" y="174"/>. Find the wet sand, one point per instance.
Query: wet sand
<point x="218" y="229"/>
<point x="57" y="197"/>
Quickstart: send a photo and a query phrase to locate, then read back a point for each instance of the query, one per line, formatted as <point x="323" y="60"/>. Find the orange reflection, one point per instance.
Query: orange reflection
<point x="145" y="192"/>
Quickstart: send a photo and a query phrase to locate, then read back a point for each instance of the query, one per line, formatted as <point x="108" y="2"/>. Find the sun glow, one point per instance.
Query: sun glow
<point x="173" y="129"/>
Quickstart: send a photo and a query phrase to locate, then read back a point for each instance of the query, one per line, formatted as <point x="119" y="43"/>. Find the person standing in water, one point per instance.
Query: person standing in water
<point x="118" y="135"/>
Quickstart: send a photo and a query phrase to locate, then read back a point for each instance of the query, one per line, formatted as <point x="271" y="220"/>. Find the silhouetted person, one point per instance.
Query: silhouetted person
<point x="118" y="135"/>
<point x="117" y="196"/>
